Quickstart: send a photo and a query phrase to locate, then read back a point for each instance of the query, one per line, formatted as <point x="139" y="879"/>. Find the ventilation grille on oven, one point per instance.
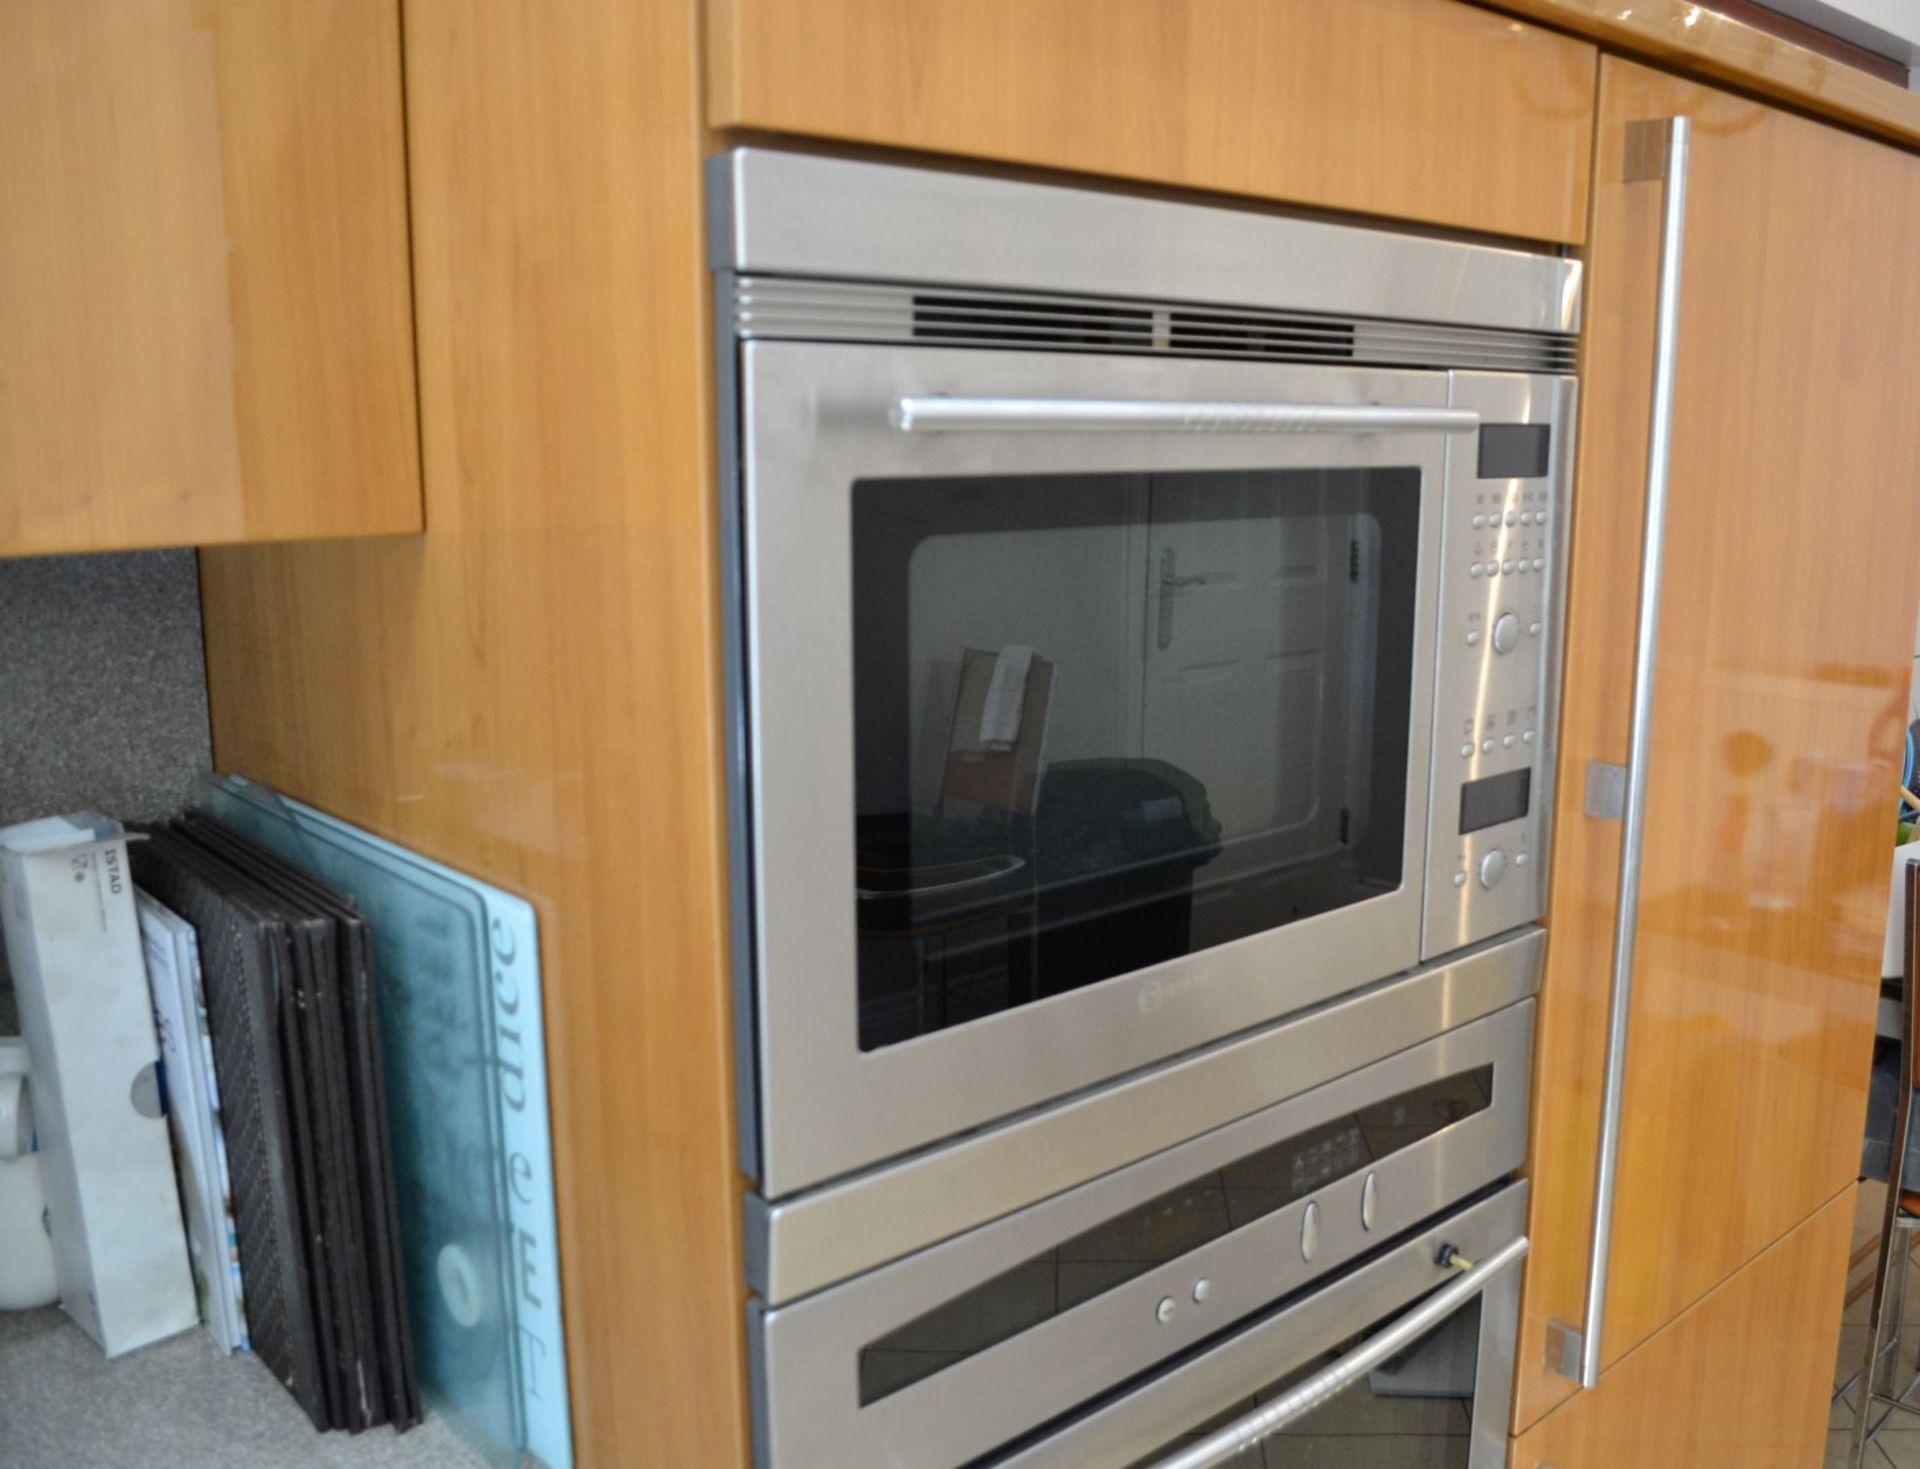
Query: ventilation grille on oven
<point x="838" y="311"/>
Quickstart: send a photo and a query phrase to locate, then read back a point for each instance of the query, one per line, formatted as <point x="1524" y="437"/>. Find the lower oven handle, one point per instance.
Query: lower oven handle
<point x="941" y="414"/>
<point x="1242" y="1434"/>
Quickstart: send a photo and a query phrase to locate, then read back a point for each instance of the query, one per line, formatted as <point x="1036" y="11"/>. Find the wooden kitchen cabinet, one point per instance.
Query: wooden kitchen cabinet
<point x="1422" y="109"/>
<point x="1705" y="1392"/>
<point x="1779" y="704"/>
<point x="205" y="312"/>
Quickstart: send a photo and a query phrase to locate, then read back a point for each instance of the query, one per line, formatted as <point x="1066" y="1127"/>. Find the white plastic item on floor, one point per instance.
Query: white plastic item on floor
<point x="26" y="1253"/>
<point x="73" y="944"/>
<point x="27" y="1278"/>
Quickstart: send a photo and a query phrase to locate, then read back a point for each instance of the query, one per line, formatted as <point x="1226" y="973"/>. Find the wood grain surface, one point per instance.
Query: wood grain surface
<point x="1423" y="109"/>
<point x="1706" y="1392"/>
<point x="205" y="313"/>
<point x="531" y="690"/>
<point x="1726" y="48"/>
<point x="1780" y="701"/>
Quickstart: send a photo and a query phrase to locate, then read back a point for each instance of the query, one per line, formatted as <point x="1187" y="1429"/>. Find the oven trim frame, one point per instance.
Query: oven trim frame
<point x="808" y="1351"/>
<point x="787" y="212"/>
<point x="799" y="1246"/>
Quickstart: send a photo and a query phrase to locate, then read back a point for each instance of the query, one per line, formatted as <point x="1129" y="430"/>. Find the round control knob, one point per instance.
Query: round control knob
<point x="1506" y="633"/>
<point x="1493" y="867"/>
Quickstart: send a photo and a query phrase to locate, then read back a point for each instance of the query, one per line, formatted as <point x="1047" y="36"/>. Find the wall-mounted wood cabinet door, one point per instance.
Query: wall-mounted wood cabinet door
<point x="206" y="322"/>
<point x="1779" y="699"/>
<point x="1416" y="109"/>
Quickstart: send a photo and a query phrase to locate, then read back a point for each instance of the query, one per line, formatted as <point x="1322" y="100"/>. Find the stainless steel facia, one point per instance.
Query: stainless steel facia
<point x="1014" y="473"/>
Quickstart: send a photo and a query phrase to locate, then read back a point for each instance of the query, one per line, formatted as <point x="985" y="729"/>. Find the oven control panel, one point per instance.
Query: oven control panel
<point x="1503" y="543"/>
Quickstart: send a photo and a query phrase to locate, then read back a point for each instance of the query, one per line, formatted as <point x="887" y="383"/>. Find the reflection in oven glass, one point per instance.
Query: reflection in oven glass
<point x="1161" y="1229"/>
<point x="1105" y="721"/>
<point x="1414" y="1411"/>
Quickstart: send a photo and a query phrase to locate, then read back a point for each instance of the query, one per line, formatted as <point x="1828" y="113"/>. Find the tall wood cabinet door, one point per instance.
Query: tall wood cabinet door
<point x="1739" y="1381"/>
<point x="1779" y="700"/>
<point x="206" y="319"/>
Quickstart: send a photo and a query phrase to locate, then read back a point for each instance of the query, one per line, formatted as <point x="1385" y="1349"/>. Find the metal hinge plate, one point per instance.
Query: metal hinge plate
<point x="1645" y="155"/>
<point x="1563" y="1349"/>
<point x="1606" y="791"/>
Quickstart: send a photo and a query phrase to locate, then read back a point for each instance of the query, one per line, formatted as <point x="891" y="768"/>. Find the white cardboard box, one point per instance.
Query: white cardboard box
<point x="73" y="944"/>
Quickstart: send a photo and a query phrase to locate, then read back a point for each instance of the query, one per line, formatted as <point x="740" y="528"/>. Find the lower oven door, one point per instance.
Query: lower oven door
<point x="1405" y="1363"/>
<point x="965" y="1347"/>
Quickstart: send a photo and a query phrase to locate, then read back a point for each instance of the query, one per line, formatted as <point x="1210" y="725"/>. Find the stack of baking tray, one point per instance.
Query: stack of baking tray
<point x="291" y="1002"/>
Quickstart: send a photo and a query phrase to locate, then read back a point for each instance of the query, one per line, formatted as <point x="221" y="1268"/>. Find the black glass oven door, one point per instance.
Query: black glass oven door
<point x="1103" y="721"/>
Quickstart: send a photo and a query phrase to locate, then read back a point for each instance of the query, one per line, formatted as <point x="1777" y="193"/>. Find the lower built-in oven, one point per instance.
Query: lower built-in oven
<point x="1143" y="629"/>
<point x="1359" y="1234"/>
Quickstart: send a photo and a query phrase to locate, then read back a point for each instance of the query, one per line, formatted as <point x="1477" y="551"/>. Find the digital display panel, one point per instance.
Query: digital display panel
<point x="1496" y="799"/>
<point x="1515" y="450"/>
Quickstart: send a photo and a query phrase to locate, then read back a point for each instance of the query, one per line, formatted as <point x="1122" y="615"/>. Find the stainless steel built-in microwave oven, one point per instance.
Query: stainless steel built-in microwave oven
<point x="1143" y="627"/>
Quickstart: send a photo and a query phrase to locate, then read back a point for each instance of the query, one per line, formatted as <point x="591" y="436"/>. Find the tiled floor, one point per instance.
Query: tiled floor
<point x="1898" y="1444"/>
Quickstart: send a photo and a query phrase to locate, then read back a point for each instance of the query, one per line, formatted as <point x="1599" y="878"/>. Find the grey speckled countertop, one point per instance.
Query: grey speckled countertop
<point x="179" y="1404"/>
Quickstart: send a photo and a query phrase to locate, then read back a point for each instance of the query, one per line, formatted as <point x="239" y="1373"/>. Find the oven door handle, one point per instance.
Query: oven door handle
<point x="1240" y="1435"/>
<point x="947" y="415"/>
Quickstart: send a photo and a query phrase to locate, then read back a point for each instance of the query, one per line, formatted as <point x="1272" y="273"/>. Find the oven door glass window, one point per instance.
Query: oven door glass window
<point x="1103" y="721"/>
<point x="1413" y="1411"/>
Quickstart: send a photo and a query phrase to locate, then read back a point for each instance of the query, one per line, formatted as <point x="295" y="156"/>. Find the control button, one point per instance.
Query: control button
<point x="1507" y="740"/>
<point x="1466" y="750"/>
<point x="1534" y="628"/>
<point x="1479" y="522"/>
<point x="1506" y="633"/>
<point x="1163" y="1312"/>
<point x="1493" y="867"/>
<point x="1539" y="563"/>
<point x="1474" y="570"/>
<point x="1473" y="638"/>
<point x="1459" y="879"/>
<point x="1526" y="517"/>
<point x="1369" y="1201"/>
<point x="1513" y="517"/>
<point x="1506" y="568"/>
<point x="1527" y="735"/>
<point x="1310" y="1231"/>
<point x="1521" y="859"/>
<point x="1486" y="747"/>
<point x="1202" y="1288"/>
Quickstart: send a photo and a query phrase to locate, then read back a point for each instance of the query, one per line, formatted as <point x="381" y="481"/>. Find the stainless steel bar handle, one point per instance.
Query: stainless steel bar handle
<point x="945" y="415"/>
<point x="1241" y="1434"/>
<point x="1634" y="820"/>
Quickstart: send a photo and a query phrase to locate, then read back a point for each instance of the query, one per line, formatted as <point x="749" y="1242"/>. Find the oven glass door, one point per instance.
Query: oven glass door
<point x="1105" y="720"/>
<point x="1039" y="708"/>
<point x="1424" y="1382"/>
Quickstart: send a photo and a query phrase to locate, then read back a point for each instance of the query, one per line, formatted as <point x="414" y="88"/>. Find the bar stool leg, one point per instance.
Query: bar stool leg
<point x="1870" y="1365"/>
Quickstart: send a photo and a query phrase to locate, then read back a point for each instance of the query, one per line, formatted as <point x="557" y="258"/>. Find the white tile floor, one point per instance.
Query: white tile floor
<point x="1897" y="1446"/>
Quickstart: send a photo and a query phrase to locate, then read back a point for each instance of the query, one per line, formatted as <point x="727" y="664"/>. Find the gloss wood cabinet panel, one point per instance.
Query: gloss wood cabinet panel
<point x="1779" y="705"/>
<point x="205" y="315"/>
<point x="1422" y="109"/>
<point x="1699" y="39"/>
<point x="531" y="690"/>
<point x="1706" y="1390"/>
